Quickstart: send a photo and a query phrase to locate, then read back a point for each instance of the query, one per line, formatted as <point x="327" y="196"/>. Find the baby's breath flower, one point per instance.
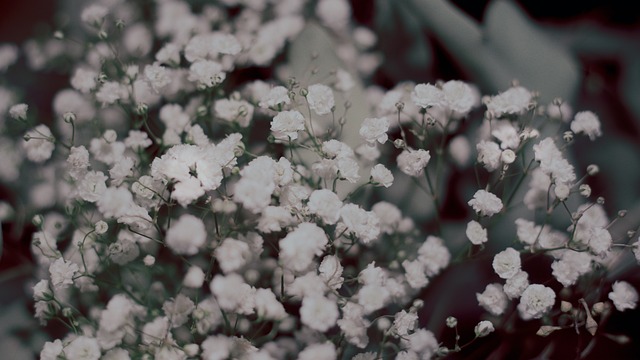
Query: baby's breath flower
<point x="588" y="123"/>
<point x="485" y="203"/>
<point x="623" y="295"/>
<point x="484" y="328"/>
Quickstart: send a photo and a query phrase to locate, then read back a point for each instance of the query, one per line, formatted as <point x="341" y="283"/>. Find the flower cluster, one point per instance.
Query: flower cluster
<point x="186" y="212"/>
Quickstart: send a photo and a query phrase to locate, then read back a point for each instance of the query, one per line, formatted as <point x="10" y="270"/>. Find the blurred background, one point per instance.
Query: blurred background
<point x="586" y="52"/>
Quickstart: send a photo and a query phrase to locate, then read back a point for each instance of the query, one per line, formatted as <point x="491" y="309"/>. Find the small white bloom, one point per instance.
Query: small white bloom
<point x="62" y="273"/>
<point x="484" y="328"/>
<point x="19" y="111"/>
<point x="194" y="277"/>
<point x="39" y="143"/>
<point x="588" y="123"/>
<point x="485" y="203"/>
<point x="600" y="240"/>
<point x="381" y="175"/>
<point x="536" y="301"/>
<point x="206" y="73"/>
<point x="515" y="285"/>
<point x="427" y="95"/>
<point x="375" y="129"/>
<point x="624" y="296"/>
<point x="286" y="124"/>
<point x="413" y="162"/>
<point x="460" y="97"/>
<point x="186" y="235"/>
<point x="319" y="313"/>
<point x="232" y="254"/>
<point x="278" y="95"/>
<point x="83" y="348"/>
<point x="320" y="98"/>
<point x="493" y="299"/>
<point x="515" y="100"/>
<point x="476" y="233"/>
<point x="489" y="154"/>
<point x="507" y="263"/>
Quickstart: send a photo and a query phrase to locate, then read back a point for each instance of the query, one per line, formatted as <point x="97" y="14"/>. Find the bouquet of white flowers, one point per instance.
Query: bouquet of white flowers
<point x="201" y="194"/>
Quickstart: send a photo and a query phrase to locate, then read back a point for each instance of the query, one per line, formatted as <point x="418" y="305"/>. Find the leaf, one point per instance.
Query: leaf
<point x="533" y="58"/>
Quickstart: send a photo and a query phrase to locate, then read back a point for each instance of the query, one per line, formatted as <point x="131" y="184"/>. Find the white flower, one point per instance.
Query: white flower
<point x="422" y="342"/>
<point x="493" y="299"/>
<point x="286" y="124"/>
<point x="460" y="150"/>
<point x="320" y="98"/>
<point x="39" y="143"/>
<point x="93" y="14"/>
<point x="515" y="285"/>
<point x="156" y="332"/>
<point x="92" y="186"/>
<point x="274" y="218"/>
<point x="404" y="323"/>
<point x="413" y="162"/>
<point x="277" y="95"/>
<point x="507" y="263"/>
<point x="319" y="313"/>
<point x="600" y="240"/>
<point x="83" y="348"/>
<point x="364" y="224"/>
<point x="460" y="97"/>
<point x="489" y="154"/>
<point x="588" y="123"/>
<point x="415" y="273"/>
<point x="157" y="75"/>
<point x="515" y="100"/>
<point x="232" y="254"/>
<point x="485" y="203"/>
<point x="231" y="110"/>
<point x="178" y="310"/>
<point x="62" y="273"/>
<point x="570" y="266"/>
<point x="624" y="296"/>
<point x="427" y="95"/>
<point x="267" y="306"/>
<point x="354" y="324"/>
<point x="330" y="270"/>
<point x="335" y="14"/>
<point x="51" y="350"/>
<point x="476" y="233"/>
<point x="375" y="129"/>
<point x="326" y="204"/>
<point x="299" y="247"/>
<point x="194" y="277"/>
<point x="434" y="255"/>
<point x="536" y="300"/>
<point x="110" y="92"/>
<point x="233" y="294"/>
<point x="552" y="162"/>
<point x="484" y="328"/>
<point x="206" y="73"/>
<point x="381" y="175"/>
<point x="186" y="235"/>
<point x="19" y="111"/>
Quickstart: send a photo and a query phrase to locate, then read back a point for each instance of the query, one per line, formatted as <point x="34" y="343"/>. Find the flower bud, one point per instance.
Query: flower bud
<point x="593" y="169"/>
<point x="202" y="111"/>
<point x="585" y="190"/>
<point x="600" y="200"/>
<point x="567" y="136"/>
<point x="69" y="117"/>
<point x="400" y="105"/>
<point x="37" y="220"/>
<point x="149" y="260"/>
<point x="546" y="330"/>
<point x="598" y="308"/>
<point x="191" y="350"/>
<point x="101" y="227"/>
<point x="622" y="213"/>
<point x="452" y="322"/>
<point x="304" y="92"/>
<point x="399" y="143"/>
<point x="484" y="328"/>
<point x="103" y="35"/>
<point x="58" y="35"/>
<point x="508" y="156"/>
<point x="565" y="306"/>
<point x="342" y="121"/>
